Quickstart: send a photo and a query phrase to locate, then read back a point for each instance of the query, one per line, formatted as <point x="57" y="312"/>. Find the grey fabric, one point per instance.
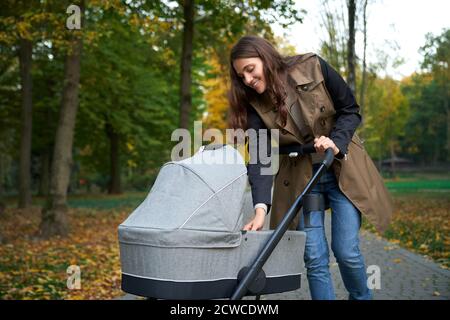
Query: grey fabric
<point x="193" y="203"/>
<point x="189" y="264"/>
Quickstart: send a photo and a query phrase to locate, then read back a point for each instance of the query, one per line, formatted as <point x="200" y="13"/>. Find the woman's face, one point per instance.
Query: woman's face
<point x="250" y="70"/>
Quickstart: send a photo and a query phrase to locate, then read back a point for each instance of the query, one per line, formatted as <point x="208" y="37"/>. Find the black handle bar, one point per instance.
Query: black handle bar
<point x="255" y="268"/>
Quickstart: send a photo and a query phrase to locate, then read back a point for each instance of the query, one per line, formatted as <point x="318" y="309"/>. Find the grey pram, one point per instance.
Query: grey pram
<point x="184" y="241"/>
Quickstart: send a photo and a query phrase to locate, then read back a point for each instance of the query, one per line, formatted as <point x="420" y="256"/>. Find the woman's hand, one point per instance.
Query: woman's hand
<point x="258" y="221"/>
<point x="323" y="143"/>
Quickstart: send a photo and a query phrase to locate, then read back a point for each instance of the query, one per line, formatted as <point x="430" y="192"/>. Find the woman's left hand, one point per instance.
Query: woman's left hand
<point x="323" y="143"/>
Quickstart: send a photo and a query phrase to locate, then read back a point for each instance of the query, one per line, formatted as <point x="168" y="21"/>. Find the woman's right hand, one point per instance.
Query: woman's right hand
<point x="258" y="221"/>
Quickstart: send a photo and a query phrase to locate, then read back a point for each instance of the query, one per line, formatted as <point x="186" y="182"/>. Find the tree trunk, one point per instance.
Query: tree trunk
<point x="44" y="181"/>
<point x="362" y="92"/>
<point x="186" y="64"/>
<point x="351" y="56"/>
<point x="115" y="181"/>
<point x="54" y="215"/>
<point x="447" y="109"/>
<point x="393" y="157"/>
<point x="25" y="52"/>
<point x="436" y="154"/>
<point x="2" y="174"/>
<point x="2" y="170"/>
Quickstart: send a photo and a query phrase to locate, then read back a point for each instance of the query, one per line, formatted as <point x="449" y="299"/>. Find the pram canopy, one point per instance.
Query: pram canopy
<point x="194" y="203"/>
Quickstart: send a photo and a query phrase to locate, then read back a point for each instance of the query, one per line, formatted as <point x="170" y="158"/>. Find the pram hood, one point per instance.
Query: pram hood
<point x="196" y="203"/>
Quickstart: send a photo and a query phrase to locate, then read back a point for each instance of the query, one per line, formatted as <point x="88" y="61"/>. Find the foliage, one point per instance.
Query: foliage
<point x="421" y="224"/>
<point x="425" y="131"/>
<point x="36" y="269"/>
<point x="386" y="114"/>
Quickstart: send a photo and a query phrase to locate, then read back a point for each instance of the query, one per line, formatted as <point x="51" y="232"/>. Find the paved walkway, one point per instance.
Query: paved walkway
<point x="404" y="275"/>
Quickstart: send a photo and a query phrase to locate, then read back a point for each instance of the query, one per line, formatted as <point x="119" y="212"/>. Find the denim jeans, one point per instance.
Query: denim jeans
<point x="345" y="225"/>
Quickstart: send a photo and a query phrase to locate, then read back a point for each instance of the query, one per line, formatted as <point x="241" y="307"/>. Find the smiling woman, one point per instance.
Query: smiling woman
<point x="252" y="73"/>
<point x="251" y="64"/>
<point x="305" y="99"/>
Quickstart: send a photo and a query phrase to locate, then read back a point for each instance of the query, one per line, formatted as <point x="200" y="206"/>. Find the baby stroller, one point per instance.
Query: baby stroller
<point x="184" y="241"/>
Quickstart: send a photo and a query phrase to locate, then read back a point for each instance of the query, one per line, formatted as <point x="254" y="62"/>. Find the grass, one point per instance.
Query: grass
<point x="92" y="201"/>
<point x="420" y="182"/>
<point x="419" y="186"/>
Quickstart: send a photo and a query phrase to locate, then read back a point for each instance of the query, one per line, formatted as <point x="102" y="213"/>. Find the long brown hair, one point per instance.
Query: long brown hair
<point x="275" y="69"/>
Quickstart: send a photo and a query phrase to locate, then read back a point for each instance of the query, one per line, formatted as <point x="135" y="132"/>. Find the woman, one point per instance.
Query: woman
<point x="307" y="100"/>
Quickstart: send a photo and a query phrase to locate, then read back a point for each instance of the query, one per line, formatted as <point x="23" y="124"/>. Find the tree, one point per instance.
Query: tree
<point x="22" y="19"/>
<point x="54" y="215"/>
<point x="10" y="98"/>
<point x="334" y="47"/>
<point x="436" y="60"/>
<point x="351" y="55"/>
<point x="387" y="113"/>
<point x="215" y="96"/>
<point x="425" y="131"/>
<point x="25" y="51"/>
<point x="186" y="62"/>
<point x="362" y="89"/>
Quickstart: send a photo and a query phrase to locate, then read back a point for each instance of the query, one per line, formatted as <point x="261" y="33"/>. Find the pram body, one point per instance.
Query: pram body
<point x="184" y="241"/>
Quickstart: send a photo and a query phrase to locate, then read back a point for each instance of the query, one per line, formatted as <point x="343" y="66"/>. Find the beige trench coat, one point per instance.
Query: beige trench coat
<point x="358" y="178"/>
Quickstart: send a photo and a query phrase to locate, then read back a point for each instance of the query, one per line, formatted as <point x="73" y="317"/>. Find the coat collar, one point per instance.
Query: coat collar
<point x="265" y="108"/>
<point x="291" y="99"/>
<point x="300" y="79"/>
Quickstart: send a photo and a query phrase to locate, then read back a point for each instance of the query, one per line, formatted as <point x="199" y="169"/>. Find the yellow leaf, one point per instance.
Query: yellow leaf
<point x="41" y="280"/>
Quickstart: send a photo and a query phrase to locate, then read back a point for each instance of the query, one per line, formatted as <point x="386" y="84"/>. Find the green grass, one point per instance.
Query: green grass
<point x="129" y="200"/>
<point x="422" y="184"/>
<point x="441" y="175"/>
<point x="419" y="186"/>
<point x="93" y="201"/>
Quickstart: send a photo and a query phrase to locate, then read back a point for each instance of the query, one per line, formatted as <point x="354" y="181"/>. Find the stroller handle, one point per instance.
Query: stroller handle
<point x="251" y="272"/>
<point x="329" y="157"/>
<point x="295" y="150"/>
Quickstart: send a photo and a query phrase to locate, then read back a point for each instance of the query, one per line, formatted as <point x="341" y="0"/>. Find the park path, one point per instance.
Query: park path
<point x="404" y="275"/>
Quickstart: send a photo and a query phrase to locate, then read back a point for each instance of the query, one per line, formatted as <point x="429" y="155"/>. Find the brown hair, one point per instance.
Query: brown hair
<point x="275" y="69"/>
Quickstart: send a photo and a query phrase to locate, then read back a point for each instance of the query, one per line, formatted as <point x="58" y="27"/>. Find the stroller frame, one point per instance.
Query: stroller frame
<point x="253" y="277"/>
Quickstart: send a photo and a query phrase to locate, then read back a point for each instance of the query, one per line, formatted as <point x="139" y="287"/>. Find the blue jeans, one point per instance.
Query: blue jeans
<point x="345" y="225"/>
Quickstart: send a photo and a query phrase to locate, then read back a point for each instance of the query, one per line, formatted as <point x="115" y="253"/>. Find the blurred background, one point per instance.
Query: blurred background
<point x="91" y="91"/>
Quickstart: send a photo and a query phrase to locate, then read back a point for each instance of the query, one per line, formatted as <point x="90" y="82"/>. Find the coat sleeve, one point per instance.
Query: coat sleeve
<point x="347" y="110"/>
<point x="261" y="185"/>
